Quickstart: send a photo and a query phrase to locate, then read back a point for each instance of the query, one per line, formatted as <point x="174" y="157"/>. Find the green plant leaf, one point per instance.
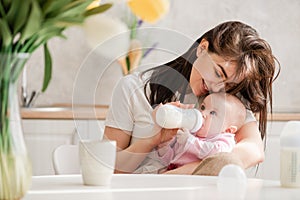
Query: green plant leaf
<point x="26" y="25"/>
<point x="48" y="68"/>
<point x="33" y="23"/>
<point x="2" y="11"/>
<point x="66" y="22"/>
<point x="74" y="9"/>
<point x="6" y="3"/>
<point x="45" y="34"/>
<point x="97" y="10"/>
<point x="17" y="15"/>
<point x="5" y="34"/>
<point x="52" y="7"/>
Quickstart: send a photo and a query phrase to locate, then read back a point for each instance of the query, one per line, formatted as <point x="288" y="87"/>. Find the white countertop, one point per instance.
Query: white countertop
<point x="152" y="187"/>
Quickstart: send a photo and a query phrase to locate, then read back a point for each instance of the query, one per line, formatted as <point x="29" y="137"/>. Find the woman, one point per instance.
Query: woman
<point x="230" y="57"/>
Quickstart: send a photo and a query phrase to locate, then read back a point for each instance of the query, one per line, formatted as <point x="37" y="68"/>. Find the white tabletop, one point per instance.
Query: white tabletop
<point x="151" y="187"/>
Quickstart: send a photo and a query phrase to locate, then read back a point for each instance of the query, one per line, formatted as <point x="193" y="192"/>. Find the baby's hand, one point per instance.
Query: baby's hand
<point x="182" y="136"/>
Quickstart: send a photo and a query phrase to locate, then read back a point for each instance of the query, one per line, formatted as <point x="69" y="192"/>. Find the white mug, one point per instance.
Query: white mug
<point x="97" y="161"/>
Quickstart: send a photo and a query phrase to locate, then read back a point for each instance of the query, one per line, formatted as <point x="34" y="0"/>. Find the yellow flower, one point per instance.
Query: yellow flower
<point x="149" y="10"/>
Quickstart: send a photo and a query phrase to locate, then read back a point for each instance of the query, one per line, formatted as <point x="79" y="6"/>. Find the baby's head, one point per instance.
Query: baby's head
<point x="222" y="112"/>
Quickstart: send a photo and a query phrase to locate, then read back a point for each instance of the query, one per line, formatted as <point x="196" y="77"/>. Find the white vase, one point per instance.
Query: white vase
<point x="15" y="166"/>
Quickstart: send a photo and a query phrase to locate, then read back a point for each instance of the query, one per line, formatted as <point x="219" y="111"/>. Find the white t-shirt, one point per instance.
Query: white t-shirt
<point x="130" y="110"/>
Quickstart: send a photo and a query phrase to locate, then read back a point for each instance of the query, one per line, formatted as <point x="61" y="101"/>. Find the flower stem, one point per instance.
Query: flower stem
<point x="133" y="28"/>
<point x="4" y="90"/>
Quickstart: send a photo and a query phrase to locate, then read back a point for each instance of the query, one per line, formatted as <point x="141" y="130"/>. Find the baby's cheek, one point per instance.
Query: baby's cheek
<point x="202" y="133"/>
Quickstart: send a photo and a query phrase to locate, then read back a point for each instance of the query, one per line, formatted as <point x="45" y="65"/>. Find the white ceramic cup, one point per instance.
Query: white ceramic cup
<point x="97" y="161"/>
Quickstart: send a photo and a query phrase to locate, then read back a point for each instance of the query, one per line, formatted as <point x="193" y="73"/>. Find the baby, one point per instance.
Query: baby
<point x="223" y="114"/>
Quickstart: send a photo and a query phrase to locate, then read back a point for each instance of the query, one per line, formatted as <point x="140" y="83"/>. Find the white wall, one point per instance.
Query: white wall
<point x="277" y="21"/>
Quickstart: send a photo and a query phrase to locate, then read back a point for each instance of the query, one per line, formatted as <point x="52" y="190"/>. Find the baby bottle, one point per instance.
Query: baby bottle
<point x="169" y="116"/>
<point x="290" y="155"/>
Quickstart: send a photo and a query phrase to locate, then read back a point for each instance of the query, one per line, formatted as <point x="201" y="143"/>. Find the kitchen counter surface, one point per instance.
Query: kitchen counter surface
<point x="284" y="117"/>
<point x="65" y="112"/>
<point x="99" y="112"/>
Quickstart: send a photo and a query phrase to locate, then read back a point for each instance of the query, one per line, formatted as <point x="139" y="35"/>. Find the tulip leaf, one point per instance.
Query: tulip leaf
<point x="53" y="7"/>
<point x="17" y="15"/>
<point x="45" y="34"/>
<point x="2" y="11"/>
<point x="73" y="8"/>
<point x="98" y="9"/>
<point x="27" y="25"/>
<point x="70" y="21"/>
<point x="47" y="68"/>
<point x="5" y="33"/>
<point x="6" y="3"/>
<point x="33" y="23"/>
<point x="63" y="22"/>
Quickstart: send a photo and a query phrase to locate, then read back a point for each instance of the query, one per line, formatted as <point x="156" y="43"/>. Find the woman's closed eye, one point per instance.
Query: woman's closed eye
<point x="218" y="74"/>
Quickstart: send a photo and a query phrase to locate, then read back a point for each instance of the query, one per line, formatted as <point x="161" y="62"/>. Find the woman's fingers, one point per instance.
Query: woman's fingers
<point x="175" y="103"/>
<point x="154" y="112"/>
<point x="167" y="134"/>
<point x="181" y="105"/>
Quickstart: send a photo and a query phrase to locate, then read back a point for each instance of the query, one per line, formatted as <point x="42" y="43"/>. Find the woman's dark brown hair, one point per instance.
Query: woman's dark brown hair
<point x="236" y="42"/>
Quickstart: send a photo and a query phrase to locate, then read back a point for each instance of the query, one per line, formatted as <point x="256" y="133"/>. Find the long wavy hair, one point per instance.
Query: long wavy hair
<point x="234" y="41"/>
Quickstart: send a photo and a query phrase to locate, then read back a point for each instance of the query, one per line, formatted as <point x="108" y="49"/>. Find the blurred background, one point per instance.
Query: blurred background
<point x="83" y="76"/>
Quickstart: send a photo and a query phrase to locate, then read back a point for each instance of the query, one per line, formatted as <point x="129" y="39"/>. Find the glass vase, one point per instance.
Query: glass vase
<point x="15" y="166"/>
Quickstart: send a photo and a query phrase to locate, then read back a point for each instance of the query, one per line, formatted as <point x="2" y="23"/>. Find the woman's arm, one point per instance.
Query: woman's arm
<point x="130" y="155"/>
<point x="249" y="148"/>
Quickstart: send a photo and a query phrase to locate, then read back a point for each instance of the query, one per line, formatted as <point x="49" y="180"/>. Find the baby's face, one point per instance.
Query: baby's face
<point x="214" y="111"/>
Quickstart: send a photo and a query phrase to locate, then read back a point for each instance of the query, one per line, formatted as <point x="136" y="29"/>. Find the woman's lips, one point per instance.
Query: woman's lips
<point x="205" y="88"/>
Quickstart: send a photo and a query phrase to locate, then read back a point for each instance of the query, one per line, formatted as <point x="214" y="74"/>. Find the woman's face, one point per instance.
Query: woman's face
<point x="210" y="72"/>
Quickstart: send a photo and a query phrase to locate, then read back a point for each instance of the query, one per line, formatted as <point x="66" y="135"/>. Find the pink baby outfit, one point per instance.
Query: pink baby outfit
<point x="186" y="148"/>
<point x="183" y="149"/>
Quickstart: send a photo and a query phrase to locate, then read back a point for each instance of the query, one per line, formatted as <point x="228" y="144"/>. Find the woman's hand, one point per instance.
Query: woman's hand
<point x="181" y="105"/>
<point x="162" y="135"/>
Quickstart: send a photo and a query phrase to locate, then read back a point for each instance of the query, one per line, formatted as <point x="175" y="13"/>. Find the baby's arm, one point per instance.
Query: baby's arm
<point x="165" y="152"/>
<point x="202" y="148"/>
<point x="164" y="148"/>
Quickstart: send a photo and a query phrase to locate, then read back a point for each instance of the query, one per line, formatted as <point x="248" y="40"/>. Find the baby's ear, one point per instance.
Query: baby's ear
<point x="231" y="129"/>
